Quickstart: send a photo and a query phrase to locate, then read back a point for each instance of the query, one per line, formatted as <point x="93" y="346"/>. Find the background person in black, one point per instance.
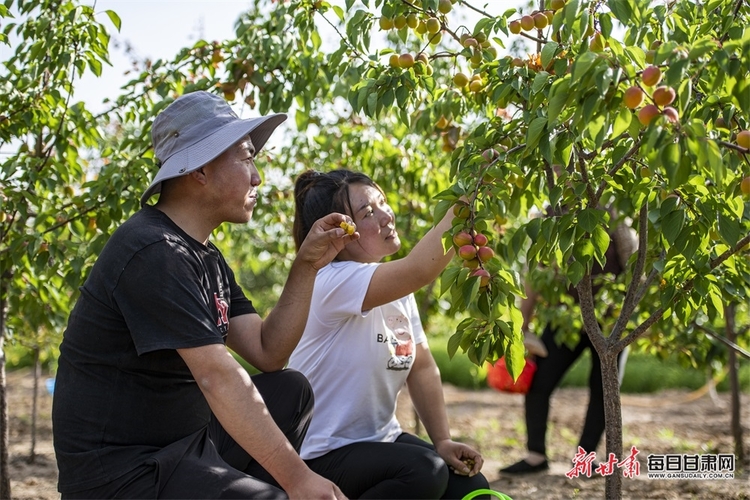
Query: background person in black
<point x="551" y="368"/>
<point x="148" y="401"/>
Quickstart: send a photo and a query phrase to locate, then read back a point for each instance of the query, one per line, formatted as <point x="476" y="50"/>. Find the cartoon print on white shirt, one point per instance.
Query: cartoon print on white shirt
<point x="400" y="342"/>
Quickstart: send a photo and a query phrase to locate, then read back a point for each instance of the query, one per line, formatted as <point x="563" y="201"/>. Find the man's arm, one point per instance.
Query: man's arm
<point x="239" y="407"/>
<point x="267" y="344"/>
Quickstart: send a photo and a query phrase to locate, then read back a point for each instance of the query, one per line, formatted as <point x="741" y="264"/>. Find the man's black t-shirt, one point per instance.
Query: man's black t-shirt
<point x="122" y="391"/>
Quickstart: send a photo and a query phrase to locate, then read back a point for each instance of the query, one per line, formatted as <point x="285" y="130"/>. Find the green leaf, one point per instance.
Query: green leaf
<point x="536" y="128"/>
<point x="548" y="53"/>
<point x="600" y="239"/>
<point x="589" y="218"/>
<point x="575" y="272"/>
<point x="729" y="229"/>
<point x="114" y="18"/>
<point x="670" y="159"/>
<point x="558" y="97"/>
<point x="514" y="358"/>
<point x="583" y="65"/>
<point x="622" y="122"/>
<point x="622" y="11"/>
<point x="671" y="225"/>
<point x="453" y="342"/>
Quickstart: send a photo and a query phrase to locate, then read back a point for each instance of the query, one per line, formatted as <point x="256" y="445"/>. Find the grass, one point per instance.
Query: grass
<point x="643" y="373"/>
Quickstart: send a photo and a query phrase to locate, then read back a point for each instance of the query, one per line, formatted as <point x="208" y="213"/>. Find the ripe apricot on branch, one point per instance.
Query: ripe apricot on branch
<point x="743" y="139"/>
<point x="476" y="85"/>
<point x="393" y="61"/>
<point x="647" y="114"/>
<point x="386" y="23"/>
<point x="349" y="228"/>
<point x="485" y="253"/>
<point x="462" y="238"/>
<point x="480" y="240"/>
<point x="633" y="97"/>
<point x="471" y="264"/>
<point x="556" y="4"/>
<point x="671" y="114"/>
<point x="540" y="20"/>
<point x="433" y="25"/>
<point x="514" y="27"/>
<point x="460" y="80"/>
<point x="406" y="60"/>
<point x="490" y="154"/>
<point x="745" y="186"/>
<point x="663" y="96"/>
<point x="484" y="277"/>
<point x="467" y="252"/>
<point x="527" y="23"/>
<point x="461" y="211"/>
<point x="651" y="76"/>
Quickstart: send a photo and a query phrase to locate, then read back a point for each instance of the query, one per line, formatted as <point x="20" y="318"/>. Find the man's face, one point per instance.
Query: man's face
<point x="234" y="182"/>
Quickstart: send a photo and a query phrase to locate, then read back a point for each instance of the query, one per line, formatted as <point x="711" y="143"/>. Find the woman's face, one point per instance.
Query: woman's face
<point x="375" y="223"/>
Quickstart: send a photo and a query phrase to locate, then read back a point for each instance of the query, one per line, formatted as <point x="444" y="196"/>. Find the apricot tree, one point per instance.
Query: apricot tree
<point x="601" y="113"/>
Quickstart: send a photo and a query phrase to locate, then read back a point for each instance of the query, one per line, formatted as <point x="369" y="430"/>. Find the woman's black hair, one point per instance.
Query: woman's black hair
<point x="317" y="194"/>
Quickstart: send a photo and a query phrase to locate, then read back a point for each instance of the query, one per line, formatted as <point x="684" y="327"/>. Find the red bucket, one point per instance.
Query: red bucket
<point x="498" y="377"/>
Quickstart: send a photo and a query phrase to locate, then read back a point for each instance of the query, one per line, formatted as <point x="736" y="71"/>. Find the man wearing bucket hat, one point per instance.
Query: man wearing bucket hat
<point x="148" y="401"/>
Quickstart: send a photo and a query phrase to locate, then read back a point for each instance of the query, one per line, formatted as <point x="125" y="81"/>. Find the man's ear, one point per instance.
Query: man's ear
<point x="199" y="175"/>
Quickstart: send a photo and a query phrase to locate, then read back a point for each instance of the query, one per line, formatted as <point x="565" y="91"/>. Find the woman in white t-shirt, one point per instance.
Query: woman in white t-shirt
<point x="362" y="342"/>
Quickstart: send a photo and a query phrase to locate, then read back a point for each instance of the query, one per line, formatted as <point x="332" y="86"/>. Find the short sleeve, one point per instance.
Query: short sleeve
<point x="340" y="290"/>
<point x="165" y="300"/>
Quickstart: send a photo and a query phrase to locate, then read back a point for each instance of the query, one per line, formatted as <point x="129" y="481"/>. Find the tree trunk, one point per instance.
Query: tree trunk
<point x="734" y="384"/>
<point x="34" y="404"/>
<point x="4" y="432"/>
<point x="612" y="420"/>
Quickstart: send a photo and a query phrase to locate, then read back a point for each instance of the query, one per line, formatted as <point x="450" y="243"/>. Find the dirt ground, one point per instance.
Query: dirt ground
<point x="493" y="422"/>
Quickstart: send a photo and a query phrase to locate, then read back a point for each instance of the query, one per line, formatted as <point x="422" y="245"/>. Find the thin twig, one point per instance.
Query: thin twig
<point x="725" y="340"/>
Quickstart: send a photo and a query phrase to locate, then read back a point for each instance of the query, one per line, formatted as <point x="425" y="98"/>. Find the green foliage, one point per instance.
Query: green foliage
<point x="551" y="110"/>
<point x="565" y="143"/>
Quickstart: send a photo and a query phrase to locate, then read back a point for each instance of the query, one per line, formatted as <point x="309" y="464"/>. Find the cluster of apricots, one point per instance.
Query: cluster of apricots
<point x="537" y="20"/>
<point x="475" y="83"/>
<point x="661" y="98"/>
<point x="429" y="26"/>
<point x="407" y="60"/>
<point x="473" y="249"/>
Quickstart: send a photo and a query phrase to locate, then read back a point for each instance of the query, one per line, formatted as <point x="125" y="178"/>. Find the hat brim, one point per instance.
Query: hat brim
<point x="197" y="155"/>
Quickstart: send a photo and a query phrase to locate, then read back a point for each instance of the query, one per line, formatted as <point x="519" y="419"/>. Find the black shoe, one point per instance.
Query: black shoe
<point x="523" y="467"/>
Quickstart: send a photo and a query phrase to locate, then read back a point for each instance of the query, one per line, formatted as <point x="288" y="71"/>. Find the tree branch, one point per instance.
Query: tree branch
<point x="631" y="296"/>
<point x="593" y="199"/>
<point x="618" y="166"/>
<point x="478" y="11"/>
<point x="689" y="284"/>
<point x="724" y="340"/>
<point x="733" y="146"/>
<point x="588" y="312"/>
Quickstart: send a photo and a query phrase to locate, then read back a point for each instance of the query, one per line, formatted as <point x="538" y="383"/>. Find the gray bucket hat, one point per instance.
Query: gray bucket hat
<point x="195" y="129"/>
